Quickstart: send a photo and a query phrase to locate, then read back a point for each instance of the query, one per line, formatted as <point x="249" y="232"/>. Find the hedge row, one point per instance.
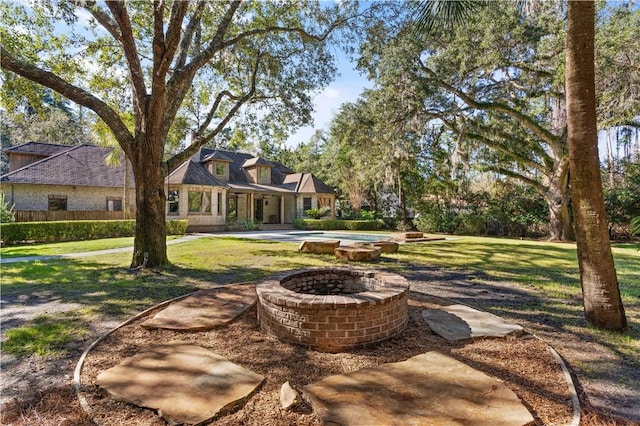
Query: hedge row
<point x="54" y="231"/>
<point x="338" y="224"/>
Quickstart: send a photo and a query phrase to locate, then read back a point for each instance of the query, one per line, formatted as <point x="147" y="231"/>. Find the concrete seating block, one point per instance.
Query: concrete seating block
<point x="384" y="246"/>
<point x="402" y="236"/>
<point x="318" y="247"/>
<point x="358" y="254"/>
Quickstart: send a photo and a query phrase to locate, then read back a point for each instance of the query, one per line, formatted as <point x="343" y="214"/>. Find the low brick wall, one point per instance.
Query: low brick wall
<point x="333" y="309"/>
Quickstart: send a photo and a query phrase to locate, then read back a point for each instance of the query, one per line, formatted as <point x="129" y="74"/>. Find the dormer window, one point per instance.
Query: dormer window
<point x="219" y="168"/>
<point x="263" y="174"/>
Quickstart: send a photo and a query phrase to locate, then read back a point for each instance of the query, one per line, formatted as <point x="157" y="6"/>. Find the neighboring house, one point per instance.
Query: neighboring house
<point x="57" y="178"/>
<point x="211" y="190"/>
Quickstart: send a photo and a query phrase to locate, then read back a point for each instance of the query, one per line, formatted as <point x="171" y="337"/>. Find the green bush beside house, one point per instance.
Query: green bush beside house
<point x="54" y="231"/>
<point x="338" y="224"/>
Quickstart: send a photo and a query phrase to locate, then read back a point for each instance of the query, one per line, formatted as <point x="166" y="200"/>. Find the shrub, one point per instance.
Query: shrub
<point x="6" y="211"/>
<point x="318" y="213"/>
<point x="471" y="224"/>
<point x="77" y="230"/>
<point x="337" y="224"/>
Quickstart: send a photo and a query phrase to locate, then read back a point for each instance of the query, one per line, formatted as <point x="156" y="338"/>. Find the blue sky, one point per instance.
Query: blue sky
<point x="345" y="88"/>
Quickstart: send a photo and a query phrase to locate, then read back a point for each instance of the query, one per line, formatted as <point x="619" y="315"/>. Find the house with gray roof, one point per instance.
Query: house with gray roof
<point x="47" y="177"/>
<point x="211" y="190"/>
<point x="217" y="187"/>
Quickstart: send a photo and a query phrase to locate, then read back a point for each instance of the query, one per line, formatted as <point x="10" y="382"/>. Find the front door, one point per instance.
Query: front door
<point x="258" y="216"/>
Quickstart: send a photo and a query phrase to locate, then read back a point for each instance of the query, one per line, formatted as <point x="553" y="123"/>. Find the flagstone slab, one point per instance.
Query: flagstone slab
<point x="459" y="322"/>
<point x="205" y="309"/>
<point x="427" y="389"/>
<point x="185" y="383"/>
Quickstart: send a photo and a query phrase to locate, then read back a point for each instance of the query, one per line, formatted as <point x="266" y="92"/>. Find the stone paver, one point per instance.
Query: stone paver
<point x="427" y="389"/>
<point x="459" y="322"/>
<point x="186" y="383"/>
<point x="205" y="309"/>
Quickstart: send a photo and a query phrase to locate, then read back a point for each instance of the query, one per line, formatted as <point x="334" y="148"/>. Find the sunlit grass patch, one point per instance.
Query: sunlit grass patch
<point x="45" y="336"/>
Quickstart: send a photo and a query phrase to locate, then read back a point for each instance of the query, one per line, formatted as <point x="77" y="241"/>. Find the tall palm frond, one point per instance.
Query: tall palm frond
<point x="431" y="14"/>
<point x="635" y="225"/>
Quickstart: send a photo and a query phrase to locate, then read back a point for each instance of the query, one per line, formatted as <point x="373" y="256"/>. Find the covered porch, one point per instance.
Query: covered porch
<point x="267" y="208"/>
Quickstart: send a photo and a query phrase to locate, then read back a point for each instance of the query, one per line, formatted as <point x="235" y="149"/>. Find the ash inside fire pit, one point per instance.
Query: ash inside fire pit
<point x="333" y="309"/>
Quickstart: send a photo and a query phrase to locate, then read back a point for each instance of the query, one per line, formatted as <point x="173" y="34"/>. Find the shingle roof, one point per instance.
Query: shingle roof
<point x="217" y="155"/>
<point x="282" y="177"/>
<point x="193" y="173"/>
<point x="239" y="175"/>
<point x="257" y="161"/>
<point x="37" y="148"/>
<point x="80" y="165"/>
<point x="307" y="183"/>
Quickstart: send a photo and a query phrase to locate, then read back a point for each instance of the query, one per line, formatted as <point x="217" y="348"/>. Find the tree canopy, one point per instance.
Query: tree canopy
<point x="173" y="74"/>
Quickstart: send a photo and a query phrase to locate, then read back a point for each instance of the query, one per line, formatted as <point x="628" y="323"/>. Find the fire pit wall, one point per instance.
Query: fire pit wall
<point x="333" y="309"/>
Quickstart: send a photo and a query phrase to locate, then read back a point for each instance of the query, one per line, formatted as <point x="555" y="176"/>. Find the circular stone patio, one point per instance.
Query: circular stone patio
<point x="523" y="364"/>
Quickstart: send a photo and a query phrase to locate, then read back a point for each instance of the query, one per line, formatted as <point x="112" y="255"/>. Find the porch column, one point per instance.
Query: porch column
<point x="282" y="210"/>
<point x="250" y="205"/>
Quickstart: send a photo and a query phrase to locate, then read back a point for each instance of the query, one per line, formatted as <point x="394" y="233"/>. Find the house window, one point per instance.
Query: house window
<point x="219" y="204"/>
<point x="57" y="202"/>
<point x="173" y="201"/>
<point x="219" y="169"/>
<point x="263" y="173"/>
<point x="114" y="204"/>
<point x="232" y="206"/>
<point x="199" y="202"/>
<point x="306" y="203"/>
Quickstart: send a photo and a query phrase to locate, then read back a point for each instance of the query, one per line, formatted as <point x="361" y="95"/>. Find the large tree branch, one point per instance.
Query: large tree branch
<point x="103" y="19"/>
<point x="181" y="80"/>
<point x="185" y="43"/>
<point x="519" y="176"/>
<point x="74" y="93"/>
<point x="526" y="121"/>
<point x="128" y="43"/>
<point x="505" y="149"/>
<point x="202" y="136"/>
<point x="536" y="148"/>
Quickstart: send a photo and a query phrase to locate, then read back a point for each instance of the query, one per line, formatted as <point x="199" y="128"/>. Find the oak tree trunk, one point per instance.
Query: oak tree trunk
<point x="150" y="243"/>
<point x="602" y="304"/>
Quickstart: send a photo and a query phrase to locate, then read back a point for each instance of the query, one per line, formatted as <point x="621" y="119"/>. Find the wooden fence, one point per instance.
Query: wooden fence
<point x="46" y="215"/>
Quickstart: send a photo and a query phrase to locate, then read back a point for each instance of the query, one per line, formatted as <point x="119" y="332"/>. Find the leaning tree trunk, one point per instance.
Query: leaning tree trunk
<point x="602" y="303"/>
<point x="150" y="243"/>
<point x="557" y="199"/>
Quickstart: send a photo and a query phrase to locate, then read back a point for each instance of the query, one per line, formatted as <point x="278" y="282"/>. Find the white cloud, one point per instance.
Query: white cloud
<point x="331" y="93"/>
<point x="327" y="104"/>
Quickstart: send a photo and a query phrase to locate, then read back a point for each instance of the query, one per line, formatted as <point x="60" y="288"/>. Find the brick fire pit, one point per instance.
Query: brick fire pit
<point x="333" y="309"/>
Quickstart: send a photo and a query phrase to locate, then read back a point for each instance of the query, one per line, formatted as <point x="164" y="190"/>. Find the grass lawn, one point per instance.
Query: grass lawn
<point x="100" y="287"/>
<point x="67" y="247"/>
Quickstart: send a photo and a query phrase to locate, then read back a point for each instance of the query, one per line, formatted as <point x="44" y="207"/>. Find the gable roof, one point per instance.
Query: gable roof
<point x="307" y="183"/>
<point x="37" y="148"/>
<point x="80" y="165"/>
<point x="283" y="179"/>
<point x="256" y="161"/>
<point x="193" y="173"/>
<point x="238" y="174"/>
<point x="216" y="155"/>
